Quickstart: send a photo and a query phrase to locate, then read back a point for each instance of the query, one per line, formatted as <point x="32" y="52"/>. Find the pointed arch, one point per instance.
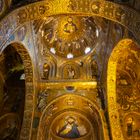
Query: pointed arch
<point x="26" y="129"/>
<point x="72" y="103"/>
<point x="114" y="117"/>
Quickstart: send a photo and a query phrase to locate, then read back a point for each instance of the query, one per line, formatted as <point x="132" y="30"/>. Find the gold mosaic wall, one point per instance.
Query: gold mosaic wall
<point x="79" y="83"/>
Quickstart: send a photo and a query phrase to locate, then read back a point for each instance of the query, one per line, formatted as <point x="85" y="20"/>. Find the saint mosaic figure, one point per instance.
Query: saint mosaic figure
<point x="70" y="27"/>
<point x="70" y="129"/>
<point x="42" y="101"/>
<point x="94" y="69"/>
<point x="46" y="70"/>
<point x="71" y="72"/>
<point x="130" y="127"/>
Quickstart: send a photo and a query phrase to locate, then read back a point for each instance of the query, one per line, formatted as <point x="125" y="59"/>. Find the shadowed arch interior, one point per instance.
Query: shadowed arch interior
<point x="19" y="63"/>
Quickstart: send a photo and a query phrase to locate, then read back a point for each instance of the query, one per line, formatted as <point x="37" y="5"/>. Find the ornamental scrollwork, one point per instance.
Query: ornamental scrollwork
<point x="114" y="12"/>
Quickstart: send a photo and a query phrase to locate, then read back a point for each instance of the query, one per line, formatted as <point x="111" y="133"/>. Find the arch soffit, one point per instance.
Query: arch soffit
<point x="114" y="12"/>
<point x="111" y="87"/>
<point x="29" y="94"/>
<point x="54" y="106"/>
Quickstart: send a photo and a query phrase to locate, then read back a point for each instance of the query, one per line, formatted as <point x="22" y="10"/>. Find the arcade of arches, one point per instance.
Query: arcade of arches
<point x="69" y="70"/>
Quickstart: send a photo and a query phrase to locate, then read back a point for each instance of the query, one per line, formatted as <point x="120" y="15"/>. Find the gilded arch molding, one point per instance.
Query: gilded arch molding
<point x="29" y="92"/>
<point x="111" y="88"/>
<point x="114" y="12"/>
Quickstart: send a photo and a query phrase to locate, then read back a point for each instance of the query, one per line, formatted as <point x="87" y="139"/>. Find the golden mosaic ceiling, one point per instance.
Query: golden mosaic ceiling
<point x="69" y="36"/>
<point x="66" y="94"/>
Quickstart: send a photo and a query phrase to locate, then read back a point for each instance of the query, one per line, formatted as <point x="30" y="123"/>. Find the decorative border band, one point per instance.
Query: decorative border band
<point x="114" y="12"/>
